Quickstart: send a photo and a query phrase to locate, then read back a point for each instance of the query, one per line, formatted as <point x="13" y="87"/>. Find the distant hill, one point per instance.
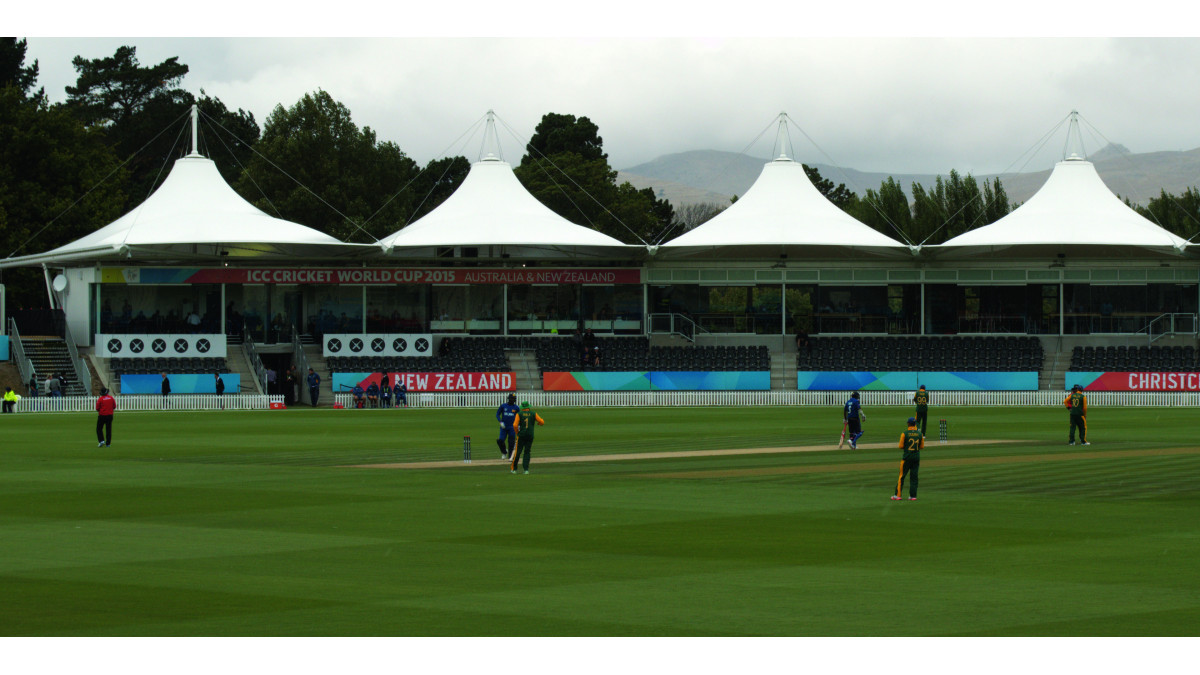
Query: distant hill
<point x="713" y="176"/>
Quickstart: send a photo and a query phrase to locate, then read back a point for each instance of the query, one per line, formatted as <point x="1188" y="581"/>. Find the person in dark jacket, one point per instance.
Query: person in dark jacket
<point x="220" y="389"/>
<point x="166" y="390"/>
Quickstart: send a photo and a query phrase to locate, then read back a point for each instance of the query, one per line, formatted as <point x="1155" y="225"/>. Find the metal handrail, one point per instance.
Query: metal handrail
<point x="255" y="361"/>
<point x="1171" y="317"/>
<point x="301" y="362"/>
<point x="678" y="324"/>
<point x="24" y="364"/>
<point x="82" y="372"/>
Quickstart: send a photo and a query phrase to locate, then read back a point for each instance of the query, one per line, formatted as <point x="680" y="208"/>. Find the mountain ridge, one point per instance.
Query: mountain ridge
<point x="715" y="176"/>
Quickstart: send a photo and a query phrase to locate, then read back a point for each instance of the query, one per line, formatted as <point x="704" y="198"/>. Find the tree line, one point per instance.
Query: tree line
<point x="68" y="168"/>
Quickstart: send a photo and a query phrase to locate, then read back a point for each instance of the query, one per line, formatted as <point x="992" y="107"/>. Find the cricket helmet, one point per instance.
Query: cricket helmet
<point x="854" y="395"/>
<point x="912" y="421"/>
<point x="512" y="398"/>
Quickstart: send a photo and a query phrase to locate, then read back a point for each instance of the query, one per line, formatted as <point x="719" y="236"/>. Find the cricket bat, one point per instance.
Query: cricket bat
<point x="843" y="438"/>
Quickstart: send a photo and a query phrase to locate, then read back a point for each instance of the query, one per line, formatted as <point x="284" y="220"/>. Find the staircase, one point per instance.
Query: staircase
<point x="523" y="363"/>
<point x="1053" y="375"/>
<point x="235" y="361"/>
<point x="783" y="370"/>
<point x="50" y="355"/>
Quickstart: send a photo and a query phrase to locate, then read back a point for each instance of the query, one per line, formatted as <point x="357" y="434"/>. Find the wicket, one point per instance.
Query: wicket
<point x="942" y="433"/>
<point x="466" y="449"/>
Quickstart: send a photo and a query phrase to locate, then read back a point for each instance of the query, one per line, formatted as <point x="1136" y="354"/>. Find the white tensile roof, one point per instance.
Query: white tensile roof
<point x="492" y="208"/>
<point x="1073" y="212"/>
<point x="195" y="214"/>
<point x="783" y="213"/>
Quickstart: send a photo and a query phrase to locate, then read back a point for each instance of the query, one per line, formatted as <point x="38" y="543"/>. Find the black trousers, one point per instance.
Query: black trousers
<point x="909" y="468"/>
<point x="524" y="446"/>
<point x="922" y="420"/>
<point x="8" y="406"/>
<point x="1078" y="422"/>
<point x="313" y="393"/>
<point x="104" y="429"/>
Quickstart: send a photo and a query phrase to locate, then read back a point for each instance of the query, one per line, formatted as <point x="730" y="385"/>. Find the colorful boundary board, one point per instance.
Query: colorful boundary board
<point x="1134" y="381"/>
<point x="203" y="383"/>
<point x="657" y="381"/>
<point x="910" y="381"/>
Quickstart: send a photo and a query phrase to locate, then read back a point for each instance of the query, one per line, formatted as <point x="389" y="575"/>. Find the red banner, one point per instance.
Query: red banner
<point x="457" y="381"/>
<point x="1145" y="382"/>
<point x="396" y="276"/>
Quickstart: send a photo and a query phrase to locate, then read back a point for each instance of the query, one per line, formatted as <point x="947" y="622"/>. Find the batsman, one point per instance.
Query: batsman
<point x="506" y="415"/>
<point x="525" y="427"/>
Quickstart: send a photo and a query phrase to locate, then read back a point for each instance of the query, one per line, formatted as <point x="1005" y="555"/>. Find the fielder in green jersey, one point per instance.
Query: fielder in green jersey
<point x="911" y="441"/>
<point x="921" y="398"/>
<point x="527" y="421"/>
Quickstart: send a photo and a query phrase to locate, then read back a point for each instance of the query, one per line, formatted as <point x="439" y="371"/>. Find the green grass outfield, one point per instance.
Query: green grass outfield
<point x="252" y="523"/>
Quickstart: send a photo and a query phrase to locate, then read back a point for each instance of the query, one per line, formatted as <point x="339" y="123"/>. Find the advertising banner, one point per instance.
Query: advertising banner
<point x="3" y="347"/>
<point x="180" y="384"/>
<point x="366" y="276"/>
<point x="1134" y="381"/>
<point x="657" y="381"/>
<point x="414" y="382"/>
<point x="378" y="344"/>
<point x="189" y="345"/>
<point x="905" y="381"/>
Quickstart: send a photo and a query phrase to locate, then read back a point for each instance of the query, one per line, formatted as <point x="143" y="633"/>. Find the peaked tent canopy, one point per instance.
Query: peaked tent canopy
<point x="1073" y="213"/>
<point x="782" y="214"/>
<point x="195" y="215"/>
<point x="492" y="209"/>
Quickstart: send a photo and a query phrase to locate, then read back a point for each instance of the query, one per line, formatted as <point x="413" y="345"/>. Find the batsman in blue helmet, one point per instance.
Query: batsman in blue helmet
<point x="506" y="415"/>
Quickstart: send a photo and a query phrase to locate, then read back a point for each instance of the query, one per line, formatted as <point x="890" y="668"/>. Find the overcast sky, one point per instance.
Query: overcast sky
<point x="891" y="103"/>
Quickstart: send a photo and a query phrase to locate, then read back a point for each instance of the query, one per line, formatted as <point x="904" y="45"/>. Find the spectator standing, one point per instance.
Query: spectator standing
<point x="106" y="405"/>
<point x="220" y="384"/>
<point x="62" y="384"/>
<point x="166" y="390"/>
<point x="53" y="386"/>
<point x="271" y="377"/>
<point x="314" y="386"/>
<point x="34" y="385"/>
<point x="289" y="387"/>
<point x="385" y="392"/>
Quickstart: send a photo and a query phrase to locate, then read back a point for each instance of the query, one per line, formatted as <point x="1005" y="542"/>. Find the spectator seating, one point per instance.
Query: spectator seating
<point x="1166" y="359"/>
<point x="154" y="365"/>
<point x="910" y="354"/>
<point x="486" y="354"/>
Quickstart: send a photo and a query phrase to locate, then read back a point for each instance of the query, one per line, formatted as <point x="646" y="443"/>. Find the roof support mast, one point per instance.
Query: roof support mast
<point x="195" y="127"/>
<point x="782" y="139"/>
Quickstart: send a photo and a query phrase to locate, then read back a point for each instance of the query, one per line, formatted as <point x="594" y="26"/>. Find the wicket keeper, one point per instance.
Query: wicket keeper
<point x="921" y="398"/>
<point x="911" y="441"/>
<point x="526" y="420"/>
<point x="1076" y="402"/>
<point x="506" y="415"/>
